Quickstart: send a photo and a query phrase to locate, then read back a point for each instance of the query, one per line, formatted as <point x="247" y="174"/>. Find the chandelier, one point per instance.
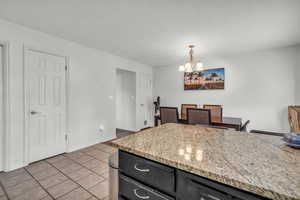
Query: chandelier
<point x="191" y="66"/>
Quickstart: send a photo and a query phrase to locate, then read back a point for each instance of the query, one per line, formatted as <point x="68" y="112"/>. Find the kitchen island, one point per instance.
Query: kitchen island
<point x="176" y="161"/>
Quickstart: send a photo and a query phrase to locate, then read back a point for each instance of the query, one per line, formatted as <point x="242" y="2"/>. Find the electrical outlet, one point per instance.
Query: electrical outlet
<point x="101" y="128"/>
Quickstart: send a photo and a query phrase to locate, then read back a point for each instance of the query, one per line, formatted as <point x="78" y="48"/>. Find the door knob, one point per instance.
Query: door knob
<point x="34" y="112"/>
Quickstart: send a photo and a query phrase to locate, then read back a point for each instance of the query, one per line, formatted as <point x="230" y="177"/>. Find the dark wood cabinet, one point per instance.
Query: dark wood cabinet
<point x="193" y="187"/>
<point x="134" y="190"/>
<point x="143" y="179"/>
<point x="193" y="190"/>
<point x="149" y="172"/>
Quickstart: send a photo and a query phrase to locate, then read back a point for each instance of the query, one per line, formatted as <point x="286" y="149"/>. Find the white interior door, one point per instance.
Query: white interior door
<point x="1" y="111"/>
<point x="146" y="101"/>
<point x="46" y="104"/>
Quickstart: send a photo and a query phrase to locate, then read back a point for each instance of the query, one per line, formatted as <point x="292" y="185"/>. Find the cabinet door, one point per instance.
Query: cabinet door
<point x="192" y="190"/>
<point x="194" y="187"/>
<point x="154" y="174"/>
<point x="134" y="190"/>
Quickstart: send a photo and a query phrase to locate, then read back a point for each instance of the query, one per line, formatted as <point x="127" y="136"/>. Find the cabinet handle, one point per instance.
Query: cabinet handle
<point x="198" y="185"/>
<point x="139" y="196"/>
<point x="213" y="197"/>
<point x="141" y="170"/>
<point x="33" y="112"/>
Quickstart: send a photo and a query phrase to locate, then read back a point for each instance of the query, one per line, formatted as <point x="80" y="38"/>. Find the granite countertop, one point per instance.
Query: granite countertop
<point x="260" y="164"/>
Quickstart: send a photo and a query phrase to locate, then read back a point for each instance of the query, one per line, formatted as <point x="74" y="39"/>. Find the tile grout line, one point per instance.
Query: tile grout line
<point x="75" y="181"/>
<point x="67" y="192"/>
<point x="46" y="176"/>
<point x="95" y="148"/>
<point x="74" y="160"/>
<point x="39" y="184"/>
<point x="81" y="151"/>
<point x="88" y="161"/>
<point x="38" y="181"/>
<point x="70" y="179"/>
<point x="45" y="160"/>
<point x="4" y="190"/>
<point x="95" y="159"/>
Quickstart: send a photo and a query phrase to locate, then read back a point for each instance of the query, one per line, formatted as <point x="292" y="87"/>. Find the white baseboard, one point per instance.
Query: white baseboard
<point x="75" y="148"/>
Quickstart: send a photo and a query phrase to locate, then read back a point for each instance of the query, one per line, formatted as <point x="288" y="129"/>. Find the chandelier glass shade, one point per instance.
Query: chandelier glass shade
<point x="191" y="66"/>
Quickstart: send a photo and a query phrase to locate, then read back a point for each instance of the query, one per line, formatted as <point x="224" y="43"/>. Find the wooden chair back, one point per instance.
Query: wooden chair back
<point x="198" y="116"/>
<point x="184" y="110"/>
<point x="168" y="115"/>
<point x="294" y="118"/>
<point x="216" y="112"/>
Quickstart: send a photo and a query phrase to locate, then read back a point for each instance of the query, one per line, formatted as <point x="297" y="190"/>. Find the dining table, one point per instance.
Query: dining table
<point x="226" y="122"/>
<point x="229" y="122"/>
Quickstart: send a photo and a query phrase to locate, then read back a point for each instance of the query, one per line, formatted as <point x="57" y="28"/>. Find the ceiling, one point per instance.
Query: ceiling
<point x="156" y="32"/>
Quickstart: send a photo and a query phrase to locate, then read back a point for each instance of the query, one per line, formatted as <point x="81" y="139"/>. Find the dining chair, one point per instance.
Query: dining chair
<point x="294" y="118"/>
<point x="184" y="110"/>
<point x="244" y="126"/>
<point x="216" y="112"/>
<point x="168" y="115"/>
<point x="198" y="116"/>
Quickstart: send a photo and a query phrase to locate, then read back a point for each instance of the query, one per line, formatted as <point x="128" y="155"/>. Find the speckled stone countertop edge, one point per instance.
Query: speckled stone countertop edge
<point x="215" y="177"/>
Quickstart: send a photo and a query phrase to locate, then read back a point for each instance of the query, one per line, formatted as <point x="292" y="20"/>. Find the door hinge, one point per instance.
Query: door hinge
<point x="66" y="67"/>
<point x="66" y="137"/>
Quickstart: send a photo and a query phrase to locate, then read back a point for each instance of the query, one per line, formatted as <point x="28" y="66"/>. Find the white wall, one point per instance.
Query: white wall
<point x="126" y="100"/>
<point x="92" y="88"/>
<point x="258" y="86"/>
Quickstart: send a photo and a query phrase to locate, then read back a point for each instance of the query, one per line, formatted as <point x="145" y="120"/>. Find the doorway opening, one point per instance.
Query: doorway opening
<point x="125" y="101"/>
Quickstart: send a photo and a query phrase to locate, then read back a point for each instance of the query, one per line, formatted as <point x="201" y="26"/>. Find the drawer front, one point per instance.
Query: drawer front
<point x="133" y="190"/>
<point x="194" y="187"/>
<point x="149" y="172"/>
<point x="194" y="191"/>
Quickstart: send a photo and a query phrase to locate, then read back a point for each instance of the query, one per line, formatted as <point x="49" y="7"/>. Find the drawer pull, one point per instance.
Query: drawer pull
<point x="139" y="196"/>
<point x="202" y="188"/>
<point x="213" y="197"/>
<point x="141" y="170"/>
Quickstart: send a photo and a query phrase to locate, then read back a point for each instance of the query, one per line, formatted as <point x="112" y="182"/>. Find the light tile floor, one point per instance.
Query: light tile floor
<point x="80" y="175"/>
